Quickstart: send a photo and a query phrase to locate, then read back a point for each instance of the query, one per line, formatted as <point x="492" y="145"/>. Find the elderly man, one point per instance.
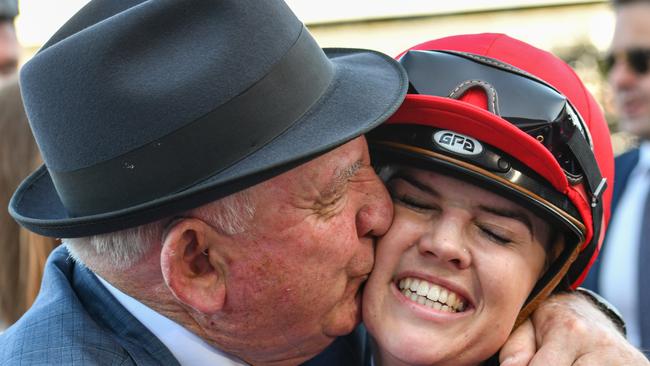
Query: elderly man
<point x="204" y="160"/>
<point x="9" y="48"/>
<point x="626" y="251"/>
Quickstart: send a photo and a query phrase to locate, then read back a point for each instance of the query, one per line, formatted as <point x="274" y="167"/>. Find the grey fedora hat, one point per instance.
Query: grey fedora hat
<point x="144" y="109"/>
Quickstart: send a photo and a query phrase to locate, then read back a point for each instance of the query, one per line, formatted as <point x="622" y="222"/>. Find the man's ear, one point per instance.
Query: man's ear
<point x="191" y="265"/>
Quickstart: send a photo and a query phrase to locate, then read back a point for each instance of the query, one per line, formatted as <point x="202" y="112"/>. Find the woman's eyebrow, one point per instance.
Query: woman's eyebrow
<point x="417" y="184"/>
<point x="511" y="214"/>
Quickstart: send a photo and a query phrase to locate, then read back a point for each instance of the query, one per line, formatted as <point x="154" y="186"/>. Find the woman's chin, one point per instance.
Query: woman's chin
<point x="406" y="348"/>
<point x="413" y="351"/>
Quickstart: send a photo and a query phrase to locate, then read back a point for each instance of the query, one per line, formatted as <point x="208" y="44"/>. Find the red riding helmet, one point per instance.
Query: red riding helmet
<point x="504" y="114"/>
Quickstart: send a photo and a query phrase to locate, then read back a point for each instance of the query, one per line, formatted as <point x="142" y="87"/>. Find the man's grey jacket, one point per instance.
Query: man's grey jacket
<point x="76" y="321"/>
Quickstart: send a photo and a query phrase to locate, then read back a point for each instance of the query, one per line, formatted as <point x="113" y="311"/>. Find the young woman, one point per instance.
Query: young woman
<point x="498" y="162"/>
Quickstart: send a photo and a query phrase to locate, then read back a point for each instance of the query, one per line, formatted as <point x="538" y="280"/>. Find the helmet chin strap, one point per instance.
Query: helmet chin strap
<point x="596" y="185"/>
<point x="550" y="284"/>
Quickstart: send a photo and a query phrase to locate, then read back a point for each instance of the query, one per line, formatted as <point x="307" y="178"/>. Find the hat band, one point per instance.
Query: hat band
<point x="206" y="146"/>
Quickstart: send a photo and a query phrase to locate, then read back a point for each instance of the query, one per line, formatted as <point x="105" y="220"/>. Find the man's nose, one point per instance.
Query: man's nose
<point x="621" y="76"/>
<point x="445" y="242"/>
<point x="376" y="214"/>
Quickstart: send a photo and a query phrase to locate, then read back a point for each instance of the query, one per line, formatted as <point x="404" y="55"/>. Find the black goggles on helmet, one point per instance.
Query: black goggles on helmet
<point x="527" y="102"/>
<point x="637" y="60"/>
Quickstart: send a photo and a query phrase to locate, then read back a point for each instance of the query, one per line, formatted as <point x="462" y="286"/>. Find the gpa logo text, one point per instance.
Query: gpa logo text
<point x="457" y="143"/>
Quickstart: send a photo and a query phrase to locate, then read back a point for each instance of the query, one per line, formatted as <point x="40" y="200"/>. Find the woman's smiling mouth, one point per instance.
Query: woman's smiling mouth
<point x="431" y="295"/>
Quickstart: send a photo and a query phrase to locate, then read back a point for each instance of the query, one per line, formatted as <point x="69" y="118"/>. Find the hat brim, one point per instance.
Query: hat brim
<point x="367" y="88"/>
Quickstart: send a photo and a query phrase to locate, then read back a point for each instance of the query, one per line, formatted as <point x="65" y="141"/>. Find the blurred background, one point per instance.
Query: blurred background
<point x="577" y="31"/>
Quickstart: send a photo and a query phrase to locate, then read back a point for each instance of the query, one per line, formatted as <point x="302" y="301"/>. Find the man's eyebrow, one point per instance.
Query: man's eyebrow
<point x="511" y="214"/>
<point x="342" y="176"/>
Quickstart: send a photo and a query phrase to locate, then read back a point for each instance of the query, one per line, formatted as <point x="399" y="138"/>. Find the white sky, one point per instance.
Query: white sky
<point x="39" y="19"/>
<point x="311" y="11"/>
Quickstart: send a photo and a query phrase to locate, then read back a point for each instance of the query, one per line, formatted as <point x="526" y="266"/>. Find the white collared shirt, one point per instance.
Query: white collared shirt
<point x="188" y="348"/>
<point x="618" y="281"/>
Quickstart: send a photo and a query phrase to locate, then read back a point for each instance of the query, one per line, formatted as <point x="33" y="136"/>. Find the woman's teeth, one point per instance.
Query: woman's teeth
<point x="431" y="295"/>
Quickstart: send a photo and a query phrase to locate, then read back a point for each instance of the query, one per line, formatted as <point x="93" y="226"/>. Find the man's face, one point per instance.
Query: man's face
<point x="9" y="49"/>
<point x="452" y="272"/>
<point x="294" y="283"/>
<point x="632" y="90"/>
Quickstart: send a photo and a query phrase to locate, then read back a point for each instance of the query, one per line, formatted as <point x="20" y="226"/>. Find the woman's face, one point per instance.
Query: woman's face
<point x="452" y="272"/>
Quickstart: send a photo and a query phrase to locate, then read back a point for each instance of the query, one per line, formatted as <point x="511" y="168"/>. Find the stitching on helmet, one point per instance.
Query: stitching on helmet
<point x="492" y="91"/>
<point x="498" y="64"/>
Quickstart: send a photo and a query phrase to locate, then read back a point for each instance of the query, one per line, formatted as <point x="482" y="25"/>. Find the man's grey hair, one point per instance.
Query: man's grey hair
<point x="121" y="250"/>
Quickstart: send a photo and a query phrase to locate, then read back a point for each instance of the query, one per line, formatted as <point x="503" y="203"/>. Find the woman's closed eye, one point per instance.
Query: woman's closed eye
<point x="413" y="203"/>
<point x="493" y="235"/>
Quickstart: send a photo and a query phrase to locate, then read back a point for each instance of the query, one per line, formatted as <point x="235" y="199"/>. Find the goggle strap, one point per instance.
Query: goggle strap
<point x="595" y="181"/>
<point x="586" y="254"/>
<point x="585" y="157"/>
<point x="549" y="282"/>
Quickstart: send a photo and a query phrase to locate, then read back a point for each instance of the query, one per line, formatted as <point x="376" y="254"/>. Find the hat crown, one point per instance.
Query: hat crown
<point x="134" y="74"/>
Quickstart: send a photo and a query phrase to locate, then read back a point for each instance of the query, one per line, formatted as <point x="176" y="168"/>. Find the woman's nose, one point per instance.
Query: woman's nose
<point x="447" y="243"/>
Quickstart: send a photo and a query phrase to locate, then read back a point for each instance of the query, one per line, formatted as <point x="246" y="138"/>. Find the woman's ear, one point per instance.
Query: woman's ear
<point x="556" y="247"/>
<point x="191" y="266"/>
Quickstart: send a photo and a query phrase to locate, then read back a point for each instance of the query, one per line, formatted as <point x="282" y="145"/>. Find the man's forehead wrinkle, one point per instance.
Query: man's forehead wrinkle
<point x="318" y="185"/>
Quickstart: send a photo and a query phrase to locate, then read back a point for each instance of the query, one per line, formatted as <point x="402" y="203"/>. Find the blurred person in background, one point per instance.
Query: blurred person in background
<point x="622" y="273"/>
<point x="9" y="47"/>
<point x="23" y="252"/>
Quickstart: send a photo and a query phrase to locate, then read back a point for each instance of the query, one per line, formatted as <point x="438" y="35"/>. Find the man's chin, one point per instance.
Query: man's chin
<point x="344" y="318"/>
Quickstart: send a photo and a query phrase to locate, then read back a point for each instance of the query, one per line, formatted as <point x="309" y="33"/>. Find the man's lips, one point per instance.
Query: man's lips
<point x="357" y="283"/>
<point x="632" y="107"/>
